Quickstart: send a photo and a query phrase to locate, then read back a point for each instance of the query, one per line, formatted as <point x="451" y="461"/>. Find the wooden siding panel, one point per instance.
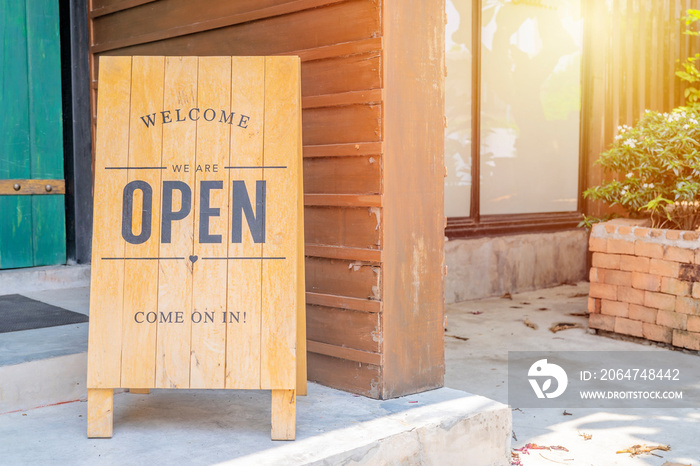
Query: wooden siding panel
<point x="355" y="279"/>
<point x="342" y="327"/>
<point x="342" y="22"/>
<point x="342" y="125"/>
<point x="355" y="377"/>
<point x="338" y="226"/>
<point x="343" y="74"/>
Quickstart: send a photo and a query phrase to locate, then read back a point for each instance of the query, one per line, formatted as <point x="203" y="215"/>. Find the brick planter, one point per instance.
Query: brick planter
<point x="644" y="282"/>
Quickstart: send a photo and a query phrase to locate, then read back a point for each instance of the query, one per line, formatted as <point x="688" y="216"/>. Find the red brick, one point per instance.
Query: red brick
<point x="622" y="230"/>
<point x="662" y="301"/>
<point x="688" y="306"/>
<point x="645" y="314"/>
<point x="641" y="232"/>
<point x="671" y="319"/>
<point x="593" y="306"/>
<point x="693" y="324"/>
<point x="628" y="327"/>
<point x="598" y="244"/>
<point x="614" y="308"/>
<point x="618" y="277"/>
<point x="691" y="235"/>
<point x="697" y="256"/>
<point x="684" y="255"/>
<point x="620" y="246"/>
<point x="645" y="281"/>
<point x="630" y="295"/>
<point x="673" y="235"/>
<point x="607" y="261"/>
<point x="595" y="275"/>
<point x="664" y="268"/>
<point x="634" y="264"/>
<point x="696" y="290"/>
<point x="603" y="290"/>
<point x="686" y="340"/>
<point x="656" y="233"/>
<point x="675" y="287"/>
<point x="601" y="322"/>
<point x="657" y="333"/>
<point x="643" y="248"/>
<point x="610" y="228"/>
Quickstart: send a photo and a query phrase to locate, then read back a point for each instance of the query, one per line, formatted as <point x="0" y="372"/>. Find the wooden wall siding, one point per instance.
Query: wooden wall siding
<point x="631" y="52"/>
<point x="342" y="45"/>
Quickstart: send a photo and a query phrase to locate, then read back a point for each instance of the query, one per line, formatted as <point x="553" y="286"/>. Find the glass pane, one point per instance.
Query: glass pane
<point x="458" y="101"/>
<point x="530" y="105"/>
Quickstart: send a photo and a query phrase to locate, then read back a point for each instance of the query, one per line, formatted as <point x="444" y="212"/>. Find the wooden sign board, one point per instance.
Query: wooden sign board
<point x="197" y="255"/>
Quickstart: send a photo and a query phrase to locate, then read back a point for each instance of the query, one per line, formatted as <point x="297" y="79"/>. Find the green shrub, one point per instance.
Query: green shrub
<point x="654" y="169"/>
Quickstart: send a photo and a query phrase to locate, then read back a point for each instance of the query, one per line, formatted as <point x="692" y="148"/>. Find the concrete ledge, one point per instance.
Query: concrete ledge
<point x="13" y="281"/>
<point x="440" y="427"/>
<point x="42" y="382"/>
<point x="484" y="267"/>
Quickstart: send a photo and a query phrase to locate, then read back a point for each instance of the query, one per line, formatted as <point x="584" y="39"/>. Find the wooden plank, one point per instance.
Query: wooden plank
<point x="243" y="335"/>
<point x="107" y="7"/>
<point x="283" y="415"/>
<point x="100" y="412"/>
<point x="107" y="280"/>
<point x="27" y="187"/>
<point x="339" y="49"/>
<point x="175" y="18"/>
<point x="175" y="276"/>
<point x="335" y="252"/>
<point x="341" y="352"/>
<point x="141" y="289"/>
<point x="341" y="74"/>
<point x="341" y="175"/>
<point x="351" y="376"/>
<point x="342" y="125"/>
<point x="347" y="21"/>
<point x="343" y="200"/>
<point x="343" y="150"/>
<point x="208" y="342"/>
<point x="140" y="391"/>
<point x="354" y="279"/>
<point x="278" y="339"/>
<point x="344" y="302"/>
<point x="46" y="130"/>
<point x="302" y="372"/>
<point x="343" y="327"/>
<point x="16" y="227"/>
<point x="340" y="226"/>
<point x="372" y="96"/>
<point x="413" y="166"/>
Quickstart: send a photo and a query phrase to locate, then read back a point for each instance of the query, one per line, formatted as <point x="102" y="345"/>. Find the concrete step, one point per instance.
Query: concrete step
<point x="232" y="427"/>
<point x="45" y="366"/>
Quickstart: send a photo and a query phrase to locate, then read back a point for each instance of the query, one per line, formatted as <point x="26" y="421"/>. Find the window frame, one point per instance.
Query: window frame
<point x="475" y="224"/>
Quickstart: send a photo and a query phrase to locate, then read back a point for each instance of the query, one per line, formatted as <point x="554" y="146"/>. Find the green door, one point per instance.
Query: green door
<point x="32" y="226"/>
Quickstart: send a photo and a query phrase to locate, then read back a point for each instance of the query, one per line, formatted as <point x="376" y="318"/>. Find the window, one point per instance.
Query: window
<point x="525" y="86"/>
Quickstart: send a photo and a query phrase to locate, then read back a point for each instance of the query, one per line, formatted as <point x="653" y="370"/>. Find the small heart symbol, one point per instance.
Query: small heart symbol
<point x="193" y="259"/>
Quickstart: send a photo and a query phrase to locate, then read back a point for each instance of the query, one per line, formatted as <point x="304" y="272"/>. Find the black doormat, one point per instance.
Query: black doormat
<point x="18" y="312"/>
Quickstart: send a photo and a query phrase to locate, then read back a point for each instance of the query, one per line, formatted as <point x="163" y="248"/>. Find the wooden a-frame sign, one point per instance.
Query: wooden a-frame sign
<point x="197" y="254"/>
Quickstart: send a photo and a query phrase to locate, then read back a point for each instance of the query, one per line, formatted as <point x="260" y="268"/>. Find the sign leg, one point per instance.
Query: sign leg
<point x="140" y="391"/>
<point x="284" y="408"/>
<point x="100" y="410"/>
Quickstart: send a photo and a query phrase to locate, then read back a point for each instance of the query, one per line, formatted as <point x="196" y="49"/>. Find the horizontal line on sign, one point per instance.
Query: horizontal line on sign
<point x="136" y="168"/>
<point x="243" y="258"/>
<point x="242" y="168"/>
<point x="140" y="258"/>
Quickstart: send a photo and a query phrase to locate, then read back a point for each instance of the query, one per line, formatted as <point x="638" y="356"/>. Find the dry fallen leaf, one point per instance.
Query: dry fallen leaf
<point x="635" y="450"/>
<point x="585" y="435"/>
<point x="530" y="324"/>
<point x="564" y="326"/>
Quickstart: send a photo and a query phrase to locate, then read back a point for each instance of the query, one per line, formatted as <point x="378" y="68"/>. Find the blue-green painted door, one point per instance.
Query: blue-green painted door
<point x="32" y="227"/>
